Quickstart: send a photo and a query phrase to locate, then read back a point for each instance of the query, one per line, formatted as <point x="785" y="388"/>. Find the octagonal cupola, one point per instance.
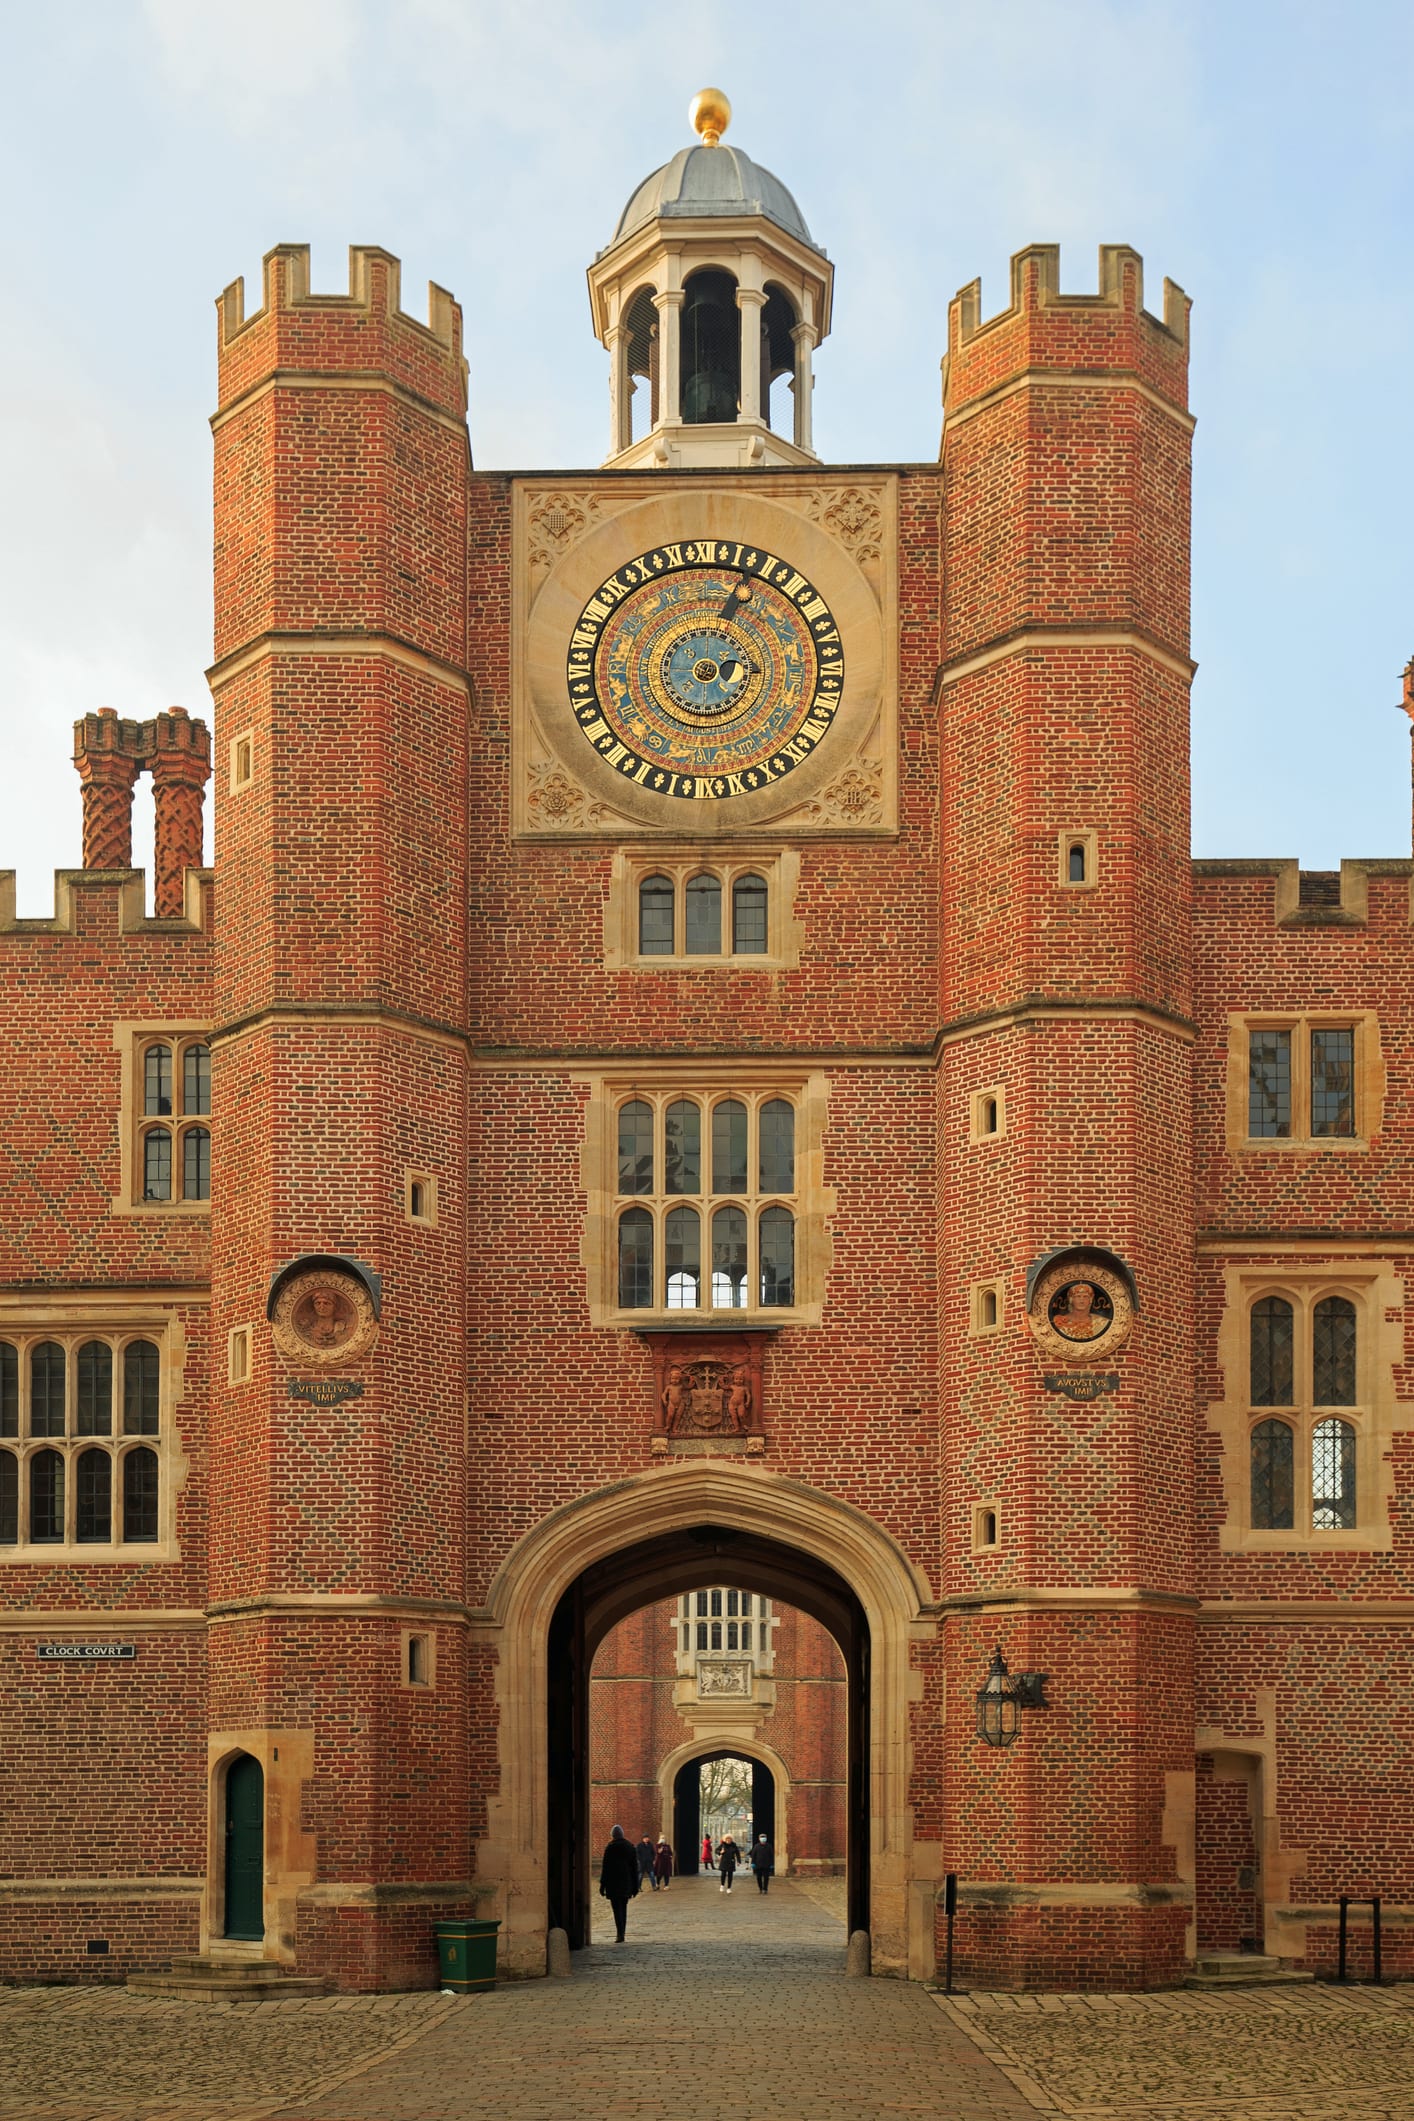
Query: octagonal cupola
<point x="711" y="299"/>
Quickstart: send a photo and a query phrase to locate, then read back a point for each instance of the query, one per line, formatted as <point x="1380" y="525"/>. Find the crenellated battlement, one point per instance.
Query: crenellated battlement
<point x="295" y="328"/>
<point x="94" y="902"/>
<point x="1043" y="327"/>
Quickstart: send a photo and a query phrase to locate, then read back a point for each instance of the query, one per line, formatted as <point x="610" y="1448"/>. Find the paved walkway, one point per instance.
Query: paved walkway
<point x="716" y="2007"/>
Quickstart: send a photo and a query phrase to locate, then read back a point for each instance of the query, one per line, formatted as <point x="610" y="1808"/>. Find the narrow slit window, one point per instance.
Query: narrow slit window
<point x="418" y="1661"/>
<point x="417" y="1199"/>
<point x="46" y="1389"/>
<point x="655" y="917"/>
<point x="704" y="917"/>
<point x="1273" y="1477"/>
<point x="636" y="1260"/>
<point x="988" y="1529"/>
<point x="140" y="1496"/>
<point x="93" y="1499"/>
<point x="141" y="1387"/>
<point x="682" y="1258"/>
<point x="1272" y="1343"/>
<point x="636" y="1147"/>
<point x="1333" y="1082"/>
<point x="93" y="1410"/>
<point x="157" y="1081"/>
<point x="749" y="916"/>
<point x="1075" y="862"/>
<point x="1333" y="1477"/>
<point x="196" y="1080"/>
<point x="989" y="1115"/>
<point x="1269" y="1085"/>
<point x="196" y="1164"/>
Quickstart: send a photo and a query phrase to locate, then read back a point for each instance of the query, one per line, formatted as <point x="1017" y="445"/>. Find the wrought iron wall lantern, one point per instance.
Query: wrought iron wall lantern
<point x="1002" y="1698"/>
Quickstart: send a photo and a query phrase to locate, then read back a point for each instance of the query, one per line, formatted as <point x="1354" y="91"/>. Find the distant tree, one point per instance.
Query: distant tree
<point x="726" y="1794"/>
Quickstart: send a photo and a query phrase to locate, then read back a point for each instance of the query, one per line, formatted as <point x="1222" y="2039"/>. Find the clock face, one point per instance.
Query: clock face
<point x="705" y="670"/>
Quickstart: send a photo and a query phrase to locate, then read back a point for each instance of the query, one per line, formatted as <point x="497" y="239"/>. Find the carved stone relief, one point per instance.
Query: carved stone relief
<point x="723" y="1680"/>
<point x="853" y="517"/>
<point x="324" y="1316"/>
<point x="1081" y="1311"/>
<point x="707" y="1399"/>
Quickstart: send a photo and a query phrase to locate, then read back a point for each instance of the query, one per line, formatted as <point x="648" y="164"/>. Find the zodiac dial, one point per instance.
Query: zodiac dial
<point x="705" y="669"/>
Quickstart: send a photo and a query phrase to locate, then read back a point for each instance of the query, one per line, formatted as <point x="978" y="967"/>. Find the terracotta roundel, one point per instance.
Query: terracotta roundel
<point x="1081" y="1311"/>
<point x="707" y="669"/>
<point x="322" y="1317"/>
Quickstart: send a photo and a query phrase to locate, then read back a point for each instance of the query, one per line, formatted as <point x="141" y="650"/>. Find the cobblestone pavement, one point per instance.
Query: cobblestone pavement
<point x="1307" y="2053"/>
<point x="716" y="2007"/>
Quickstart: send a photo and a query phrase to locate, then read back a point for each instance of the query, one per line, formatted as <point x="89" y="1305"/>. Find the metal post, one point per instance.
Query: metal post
<point x="950" y="1909"/>
<point x="1344" y="1918"/>
<point x="1375" y="1910"/>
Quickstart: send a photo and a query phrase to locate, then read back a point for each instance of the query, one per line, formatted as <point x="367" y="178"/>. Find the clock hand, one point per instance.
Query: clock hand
<point x="739" y="595"/>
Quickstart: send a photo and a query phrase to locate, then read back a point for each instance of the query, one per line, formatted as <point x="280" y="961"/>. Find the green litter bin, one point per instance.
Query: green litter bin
<point x="467" y="1951"/>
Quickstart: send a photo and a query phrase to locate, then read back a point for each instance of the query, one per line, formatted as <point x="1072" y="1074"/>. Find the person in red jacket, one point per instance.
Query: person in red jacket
<point x="707" y="1863"/>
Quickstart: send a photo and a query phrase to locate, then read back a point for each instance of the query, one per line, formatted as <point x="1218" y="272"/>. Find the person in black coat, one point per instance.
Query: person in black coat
<point x="728" y="1857"/>
<point x="644" y="1853"/>
<point x="618" y="1878"/>
<point x="762" y="1862"/>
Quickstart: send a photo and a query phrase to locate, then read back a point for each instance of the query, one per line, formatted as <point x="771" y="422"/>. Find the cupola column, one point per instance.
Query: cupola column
<point x="669" y="308"/>
<point x="750" y="301"/>
<point x="803" y="383"/>
<point x="620" y="416"/>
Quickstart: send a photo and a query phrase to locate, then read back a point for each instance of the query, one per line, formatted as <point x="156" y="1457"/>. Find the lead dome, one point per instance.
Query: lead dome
<point x="709" y="183"/>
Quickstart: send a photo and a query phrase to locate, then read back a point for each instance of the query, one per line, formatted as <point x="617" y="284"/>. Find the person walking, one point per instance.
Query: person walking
<point x="728" y="1857"/>
<point x="618" y="1878"/>
<point x="763" y="1862"/>
<point x="706" y="1852"/>
<point x="662" y="1864"/>
<point x="644" y="1853"/>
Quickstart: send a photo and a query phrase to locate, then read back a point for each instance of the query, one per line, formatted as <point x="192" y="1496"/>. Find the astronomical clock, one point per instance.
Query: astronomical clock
<point x="696" y="661"/>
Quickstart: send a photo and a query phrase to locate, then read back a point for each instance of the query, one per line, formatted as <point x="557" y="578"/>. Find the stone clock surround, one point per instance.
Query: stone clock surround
<point x="571" y="535"/>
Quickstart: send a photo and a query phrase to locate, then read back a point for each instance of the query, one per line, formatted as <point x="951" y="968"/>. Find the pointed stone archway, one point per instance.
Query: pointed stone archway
<point x="594" y="1561"/>
<point x="739" y="1748"/>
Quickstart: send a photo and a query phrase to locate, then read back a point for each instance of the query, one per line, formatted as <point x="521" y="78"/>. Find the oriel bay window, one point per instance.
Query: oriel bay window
<point x="707" y="1201"/>
<point x="75" y="1470"/>
<point x="1306" y="1420"/>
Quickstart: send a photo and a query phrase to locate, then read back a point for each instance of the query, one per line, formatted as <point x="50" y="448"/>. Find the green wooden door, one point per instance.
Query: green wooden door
<point x="245" y="1848"/>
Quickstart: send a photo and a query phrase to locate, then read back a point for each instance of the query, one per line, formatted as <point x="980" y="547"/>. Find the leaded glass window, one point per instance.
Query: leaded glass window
<point x="46" y="1498"/>
<point x="1273" y="1481"/>
<point x="196" y="1079"/>
<point x="1272" y="1348"/>
<point x="636" y="1260"/>
<point x="749" y="916"/>
<point x="682" y="1258"/>
<point x="1333" y="1477"/>
<point x="196" y="1164"/>
<point x="655" y="917"/>
<point x="93" y="1498"/>
<point x="141" y="1386"/>
<point x="157" y="1080"/>
<point x="635" y="1147"/>
<point x="9" y="1389"/>
<point x="46" y="1389"/>
<point x="1333" y="1352"/>
<point x="682" y="1147"/>
<point x="729" y="1260"/>
<point x="94" y="1389"/>
<point x="140" y="1477"/>
<point x="777" y="1146"/>
<point x="729" y="1146"/>
<point x="777" y="1257"/>
<point x="9" y="1499"/>
<point x="157" y="1164"/>
<point x="1333" y="1081"/>
<point x="704" y="916"/>
<point x="1269" y="1084"/>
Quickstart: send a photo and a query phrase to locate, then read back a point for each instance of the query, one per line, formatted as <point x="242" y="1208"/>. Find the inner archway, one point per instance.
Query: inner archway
<point x="594" y="1561"/>
<point x="694" y="1817"/>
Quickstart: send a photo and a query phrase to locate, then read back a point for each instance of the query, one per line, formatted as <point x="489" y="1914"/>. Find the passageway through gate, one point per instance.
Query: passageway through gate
<point x="687" y="1805"/>
<point x="665" y="1566"/>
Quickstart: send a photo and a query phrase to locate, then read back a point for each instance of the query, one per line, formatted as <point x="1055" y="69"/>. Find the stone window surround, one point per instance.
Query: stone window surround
<point x="814" y="1202"/>
<point x="1082" y="837"/>
<point x="979" y="1324"/>
<point x="681" y="860"/>
<point x="979" y="1135"/>
<point x="117" y="1320"/>
<point x="764" y="1619"/>
<point x="132" y="1041"/>
<point x="1369" y="1080"/>
<point x="1376" y="1289"/>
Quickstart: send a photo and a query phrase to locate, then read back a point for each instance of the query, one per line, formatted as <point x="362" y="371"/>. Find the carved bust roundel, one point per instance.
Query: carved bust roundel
<point x="1080" y="1311"/>
<point x="324" y="1317"/>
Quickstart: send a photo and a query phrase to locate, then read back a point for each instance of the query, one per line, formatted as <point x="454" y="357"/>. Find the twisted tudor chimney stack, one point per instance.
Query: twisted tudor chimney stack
<point x="110" y="753"/>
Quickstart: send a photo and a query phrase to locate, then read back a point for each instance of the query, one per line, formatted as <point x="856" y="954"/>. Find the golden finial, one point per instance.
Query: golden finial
<point x="709" y="113"/>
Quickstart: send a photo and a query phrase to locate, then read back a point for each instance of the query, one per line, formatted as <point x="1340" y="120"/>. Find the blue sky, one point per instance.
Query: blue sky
<point x="1261" y="155"/>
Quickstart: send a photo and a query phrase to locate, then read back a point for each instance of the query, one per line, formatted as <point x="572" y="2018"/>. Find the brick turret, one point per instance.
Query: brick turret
<point x="339" y="1064"/>
<point x="1066" y="1000"/>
